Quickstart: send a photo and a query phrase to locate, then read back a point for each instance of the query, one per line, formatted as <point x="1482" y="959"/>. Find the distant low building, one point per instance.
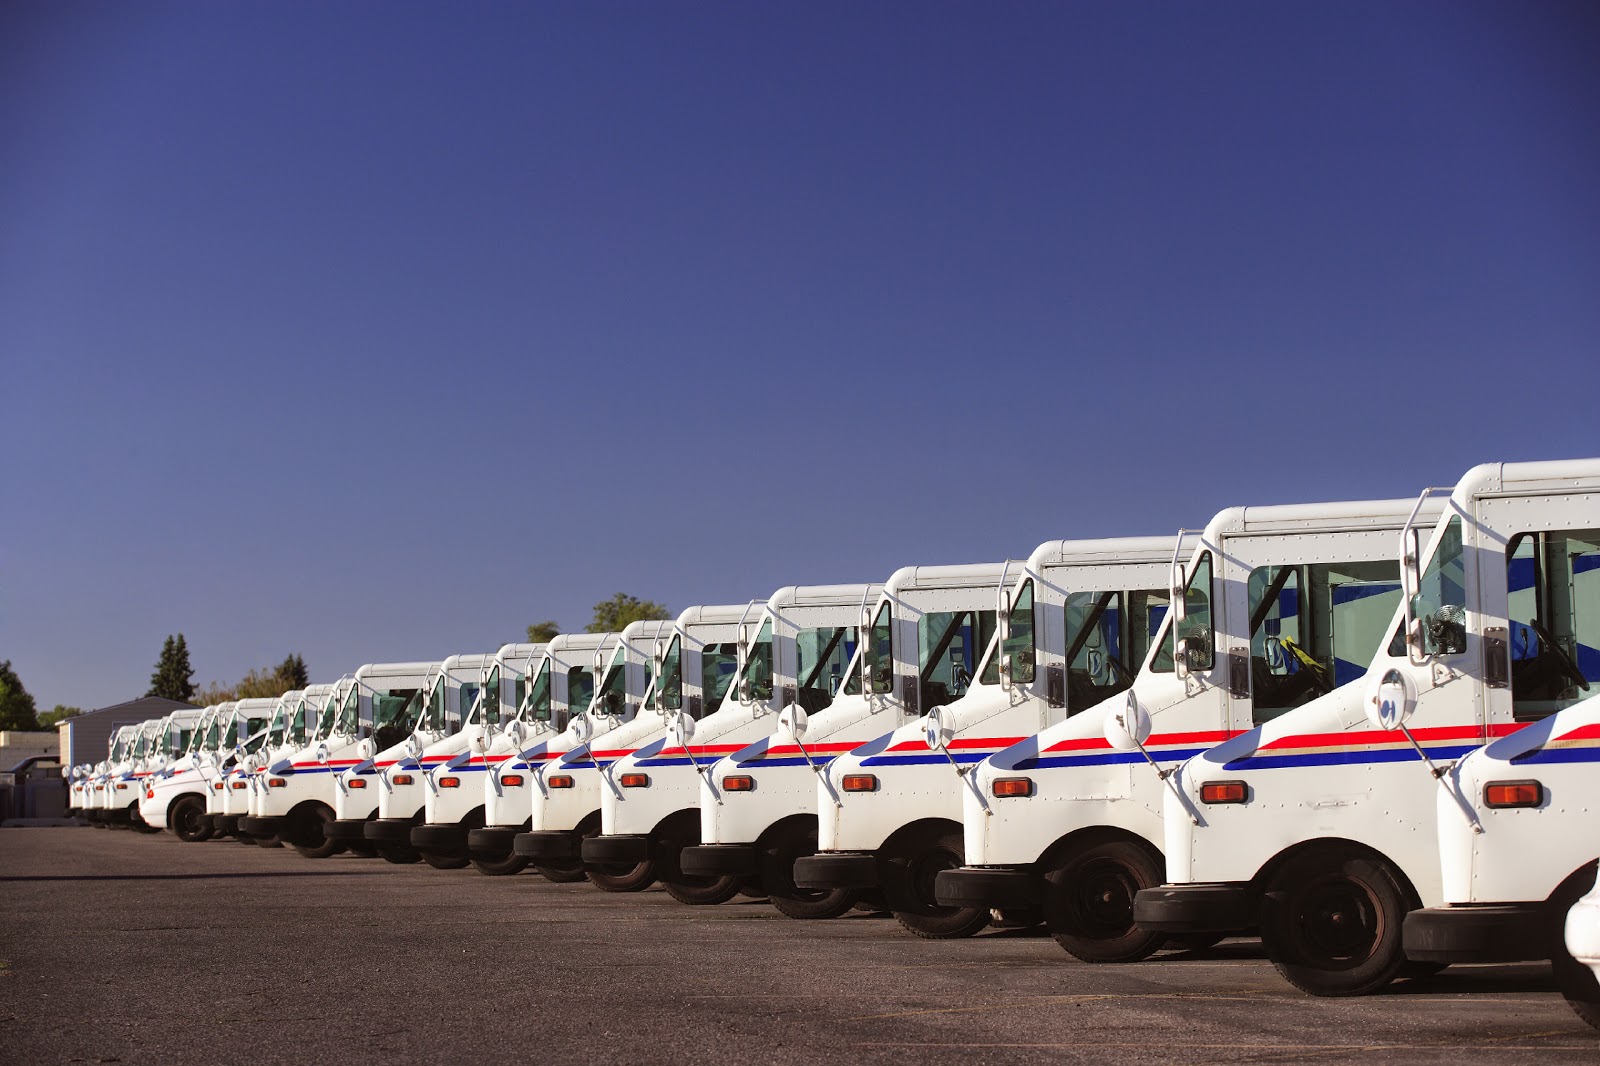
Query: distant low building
<point x="17" y="744"/>
<point x="85" y="737"/>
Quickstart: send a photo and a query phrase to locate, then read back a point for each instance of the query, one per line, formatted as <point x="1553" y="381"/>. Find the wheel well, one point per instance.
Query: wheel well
<point x="586" y="823"/>
<point x="1088" y="837"/>
<point x="676" y="819"/>
<point x="784" y="826"/>
<point x="1270" y="868"/>
<point x="305" y="807"/>
<point x="179" y="798"/>
<point x="922" y="827"/>
<point x="1581" y="879"/>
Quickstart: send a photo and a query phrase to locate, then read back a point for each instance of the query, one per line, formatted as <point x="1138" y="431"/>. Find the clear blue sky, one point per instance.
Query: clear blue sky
<point x="377" y="331"/>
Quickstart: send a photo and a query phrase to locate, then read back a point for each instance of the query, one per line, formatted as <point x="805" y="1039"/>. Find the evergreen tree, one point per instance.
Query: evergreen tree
<point x="17" y="709"/>
<point x="610" y="616"/>
<point x="173" y="677"/>
<point x="293" y="672"/>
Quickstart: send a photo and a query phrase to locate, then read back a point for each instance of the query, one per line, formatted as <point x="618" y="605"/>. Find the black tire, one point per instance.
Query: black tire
<point x="445" y="862"/>
<point x="622" y="878"/>
<point x="1088" y="900"/>
<point x="1331" y="920"/>
<point x="399" y="854"/>
<point x="561" y="871"/>
<point x="310" y="838"/>
<point x="511" y="864"/>
<point x="909" y="869"/>
<point x="703" y="891"/>
<point x="777" y="876"/>
<point x="361" y="849"/>
<point x="184" y="818"/>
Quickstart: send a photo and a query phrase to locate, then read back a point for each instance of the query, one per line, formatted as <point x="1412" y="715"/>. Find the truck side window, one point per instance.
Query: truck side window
<point x="824" y="656"/>
<point x="1314" y="628"/>
<point x="757" y="668"/>
<point x="1553" y="607"/>
<point x="880" y="651"/>
<point x="1196" y="625"/>
<point x="580" y="688"/>
<point x="948" y="646"/>
<point x="669" y="688"/>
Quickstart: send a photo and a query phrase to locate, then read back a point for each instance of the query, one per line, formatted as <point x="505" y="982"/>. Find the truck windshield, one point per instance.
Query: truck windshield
<point x="349" y="722"/>
<point x="1018" y="647"/>
<point x="433" y="713"/>
<point x="1440" y="600"/>
<point x="719" y="663"/>
<point x="488" y="712"/>
<point x="609" y="697"/>
<point x="949" y="645"/>
<point x="394" y="715"/>
<point x="301" y="722"/>
<point x="1196" y="624"/>
<point x="1315" y="627"/>
<point x="535" y="705"/>
<point x="825" y="656"/>
<point x="669" y="685"/>
<point x="275" y="730"/>
<point x="880" y="650"/>
<point x="758" y="664"/>
<point x="213" y="738"/>
<point x="330" y="713"/>
<point x="580" y="688"/>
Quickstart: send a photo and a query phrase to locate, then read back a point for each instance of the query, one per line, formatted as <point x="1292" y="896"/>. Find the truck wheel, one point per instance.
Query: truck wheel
<point x="622" y="878"/>
<point x="308" y="826"/>
<point x="184" y="818"/>
<point x="908" y="883"/>
<point x="365" y="849"/>
<point x="445" y="862"/>
<point x="511" y="864"/>
<point x="562" y="872"/>
<point x="399" y="854"/>
<point x="703" y="891"/>
<point x="1330" y="921"/>
<point x="777" y="875"/>
<point x="1089" y="901"/>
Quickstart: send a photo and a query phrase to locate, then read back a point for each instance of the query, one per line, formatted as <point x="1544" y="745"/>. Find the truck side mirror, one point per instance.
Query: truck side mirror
<point x="1128" y="727"/>
<point x="1391" y="701"/>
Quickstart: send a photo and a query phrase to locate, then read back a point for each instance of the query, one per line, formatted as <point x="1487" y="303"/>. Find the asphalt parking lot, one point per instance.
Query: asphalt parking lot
<point x="117" y="947"/>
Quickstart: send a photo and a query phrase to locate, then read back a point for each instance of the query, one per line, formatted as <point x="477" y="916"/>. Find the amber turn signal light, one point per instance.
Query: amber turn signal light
<point x="1499" y="794"/>
<point x="512" y="780"/>
<point x="635" y="780"/>
<point x="276" y="782"/>
<point x="240" y="785"/>
<point x="449" y="782"/>
<point x="217" y="786"/>
<point x="861" y="783"/>
<point x="1224" y="792"/>
<point x="1012" y="786"/>
<point x="739" y="783"/>
<point x="403" y="779"/>
<point x="560" y="781"/>
<point x="358" y="782"/>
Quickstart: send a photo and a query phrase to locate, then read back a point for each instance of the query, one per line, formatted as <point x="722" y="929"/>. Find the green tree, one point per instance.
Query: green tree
<point x="17" y="709"/>
<point x="610" y="616"/>
<point x="294" y="673"/>
<point x="58" y="714"/>
<point x="543" y="632"/>
<point x="174" y="677"/>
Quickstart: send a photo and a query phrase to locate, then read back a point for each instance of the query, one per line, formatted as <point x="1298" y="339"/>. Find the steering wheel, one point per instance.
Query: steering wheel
<point x="1568" y="667"/>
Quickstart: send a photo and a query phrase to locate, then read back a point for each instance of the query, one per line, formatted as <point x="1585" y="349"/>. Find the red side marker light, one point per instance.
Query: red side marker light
<point x="511" y="780"/>
<point x="358" y="782"/>
<point x="635" y="780"/>
<point x="403" y="779"/>
<point x="560" y="781"/>
<point x="449" y="782"/>
<point x="861" y="783"/>
<point x="738" y="783"/>
<point x="1224" y="792"/>
<point x="1012" y="786"/>
<point x="1498" y="794"/>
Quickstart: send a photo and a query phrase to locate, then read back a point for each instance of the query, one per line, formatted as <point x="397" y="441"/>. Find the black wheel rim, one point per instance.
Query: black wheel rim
<point x="1337" y="922"/>
<point x="1101" y="897"/>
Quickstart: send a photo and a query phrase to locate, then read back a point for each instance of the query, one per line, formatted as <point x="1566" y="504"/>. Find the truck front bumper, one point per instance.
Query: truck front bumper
<point x="988" y="886"/>
<point x="718" y="860"/>
<point x="346" y="830"/>
<point x="837" y="869"/>
<point x="388" y="830"/>
<point x="1511" y="932"/>
<point x="492" y="840"/>
<point x="1219" y="908"/>
<point x="546" y="844"/>
<point x="440" y="839"/>
<point x="261" y="827"/>
<point x="628" y="850"/>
